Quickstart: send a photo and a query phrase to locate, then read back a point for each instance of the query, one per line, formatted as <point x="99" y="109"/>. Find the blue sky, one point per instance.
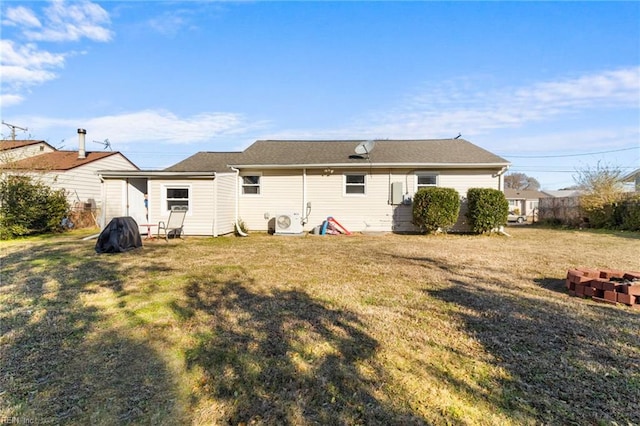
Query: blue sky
<point x="553" y="87"/>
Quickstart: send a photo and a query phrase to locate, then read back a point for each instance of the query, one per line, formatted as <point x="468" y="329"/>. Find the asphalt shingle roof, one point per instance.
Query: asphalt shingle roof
<point x="6" y="145"/>
<point x="58" y="160"/>
<point x="206" y="162"/>
<point x="524" y="194"/>
<point x="320" y="153"/>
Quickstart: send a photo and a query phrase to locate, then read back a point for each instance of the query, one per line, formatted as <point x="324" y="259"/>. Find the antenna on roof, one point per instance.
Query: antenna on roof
<point x="365" y="148"/>
<point x="13" y="129"/>
<point x="459" y="134"/>
<point x="105" y="143"/>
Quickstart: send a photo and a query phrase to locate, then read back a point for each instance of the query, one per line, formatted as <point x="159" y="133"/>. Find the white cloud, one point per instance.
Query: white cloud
<point x="7" y="100"/>
<point x="24" y="65"/>
<point x="20" y="16"/>
<point x="592" y="138"/>
<point x="28" y="56"/>
<point x="459" y="106"/>
<point x="72" y="21"/>
<point x="152" y="127"/>
<point x="170" y="24"/>
<point x="618" y="87"/>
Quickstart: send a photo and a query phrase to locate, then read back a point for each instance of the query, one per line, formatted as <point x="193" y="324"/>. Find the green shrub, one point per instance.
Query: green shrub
<point x="29" y="207"/>
<point x="488" y="209"/>
<point x="626" y="214"/>
<point x="436" y="208"/>
<point x="600" y="217"/>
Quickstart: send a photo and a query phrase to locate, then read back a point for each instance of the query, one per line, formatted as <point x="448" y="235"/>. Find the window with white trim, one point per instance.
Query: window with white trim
<point x="177" y="196"/>
<point x="251" y="185"/>
<point x="424" y="180"/>
<point x="355" y="184"/>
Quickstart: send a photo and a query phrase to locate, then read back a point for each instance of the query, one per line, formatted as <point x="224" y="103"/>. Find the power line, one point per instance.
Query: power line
<point x="569" y="155"/>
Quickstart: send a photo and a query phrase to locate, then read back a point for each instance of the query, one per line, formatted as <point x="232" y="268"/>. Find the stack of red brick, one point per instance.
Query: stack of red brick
<point x="605" y="285"/>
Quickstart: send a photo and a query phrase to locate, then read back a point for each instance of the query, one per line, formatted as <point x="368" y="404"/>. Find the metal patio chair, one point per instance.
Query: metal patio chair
<point x="173" y="226"/>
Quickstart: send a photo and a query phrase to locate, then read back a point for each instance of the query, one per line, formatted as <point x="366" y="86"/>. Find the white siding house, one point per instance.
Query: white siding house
<point x="76" y="176"/>
<point x="314" y="180"/>
<point x="12" y="150"/>
<point x="370" y="207"/>
<point x="306" y="180"/>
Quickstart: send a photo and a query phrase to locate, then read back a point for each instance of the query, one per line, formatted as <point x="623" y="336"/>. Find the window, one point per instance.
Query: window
<point x="177" y="196"/>
<point x="251" y="185"/>
<point x="354" y="184"/>
<point x="424" y="180"/>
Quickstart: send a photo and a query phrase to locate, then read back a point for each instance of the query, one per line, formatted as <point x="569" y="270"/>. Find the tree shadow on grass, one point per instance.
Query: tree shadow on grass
<point x="61" y="361"/>
<point x="563" y="368"/>
<point x="552" y="284"/>
<point x="284" y="358"/>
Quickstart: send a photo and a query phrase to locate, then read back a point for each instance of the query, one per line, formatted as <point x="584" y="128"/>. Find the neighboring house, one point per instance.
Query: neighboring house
<point x="12" y="150"/>
<point x="524" y="202"/>
<point x="631" y="181"/>
<point x="73" y="171"/>
<point x="310" y="180"/>
<point x="563" y="193"/>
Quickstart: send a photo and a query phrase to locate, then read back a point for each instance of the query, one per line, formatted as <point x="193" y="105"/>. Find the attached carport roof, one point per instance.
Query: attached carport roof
<point x="132" y="174"/>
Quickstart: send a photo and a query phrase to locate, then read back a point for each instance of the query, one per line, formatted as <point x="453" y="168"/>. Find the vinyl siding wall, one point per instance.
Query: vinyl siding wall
<point x="225" y="207"/>
<point x="113" y="200"/>
<point x="282" y="192"/>
<point x="23" y="152"/>
<point x="211" y="203"/>
<point x="200" y="218"/>
<point x="83" y="183"/>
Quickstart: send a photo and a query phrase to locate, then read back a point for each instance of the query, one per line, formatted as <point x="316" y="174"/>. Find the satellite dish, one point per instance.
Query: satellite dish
<point x="365" y="147"/>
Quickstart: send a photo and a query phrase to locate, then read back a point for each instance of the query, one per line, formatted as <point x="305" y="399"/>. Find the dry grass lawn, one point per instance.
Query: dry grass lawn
<point x="393" y="329"/>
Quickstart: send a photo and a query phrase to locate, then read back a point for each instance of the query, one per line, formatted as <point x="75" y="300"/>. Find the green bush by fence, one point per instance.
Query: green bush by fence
<point x="488" y="209"/>
<point x="624" y="214"/>
<point x="29" y="207"/>
<point x="436" y="208"/>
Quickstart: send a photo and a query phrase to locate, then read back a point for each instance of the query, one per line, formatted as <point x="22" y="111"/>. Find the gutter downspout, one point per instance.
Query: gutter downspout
<point x="214" y="230"/>
<point x="126" y="192"/>
<point x="501" y="230"/>
<point x="103" y="198"/>
<point x="304" y="195"/>
<point x="500" y="178"/>
<point x="237" y="226"/>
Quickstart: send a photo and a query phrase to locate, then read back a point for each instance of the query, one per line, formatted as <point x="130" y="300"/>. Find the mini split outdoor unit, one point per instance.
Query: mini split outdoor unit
<point x="288" y="223"/>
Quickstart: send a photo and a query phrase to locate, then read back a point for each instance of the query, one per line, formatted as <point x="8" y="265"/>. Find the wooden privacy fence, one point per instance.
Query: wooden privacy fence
<point x="84" y="215"/>
<point x="565" y="210"/>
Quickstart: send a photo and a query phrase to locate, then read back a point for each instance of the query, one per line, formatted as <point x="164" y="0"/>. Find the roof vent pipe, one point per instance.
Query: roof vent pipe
<point x="82" y="154"/>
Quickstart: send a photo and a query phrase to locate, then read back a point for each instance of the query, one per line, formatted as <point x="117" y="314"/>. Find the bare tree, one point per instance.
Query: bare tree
<point x="521" y="181"/>
<point x="601" y="185"/>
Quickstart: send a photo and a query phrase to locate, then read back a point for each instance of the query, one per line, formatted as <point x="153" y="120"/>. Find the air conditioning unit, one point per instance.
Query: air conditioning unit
<point x="288" y="223"/>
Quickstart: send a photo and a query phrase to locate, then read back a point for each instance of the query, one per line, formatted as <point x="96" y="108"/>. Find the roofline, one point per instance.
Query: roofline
<point x="27" y="143"/>
<point x="376" y="165"/>
<point x="151" y="173"/>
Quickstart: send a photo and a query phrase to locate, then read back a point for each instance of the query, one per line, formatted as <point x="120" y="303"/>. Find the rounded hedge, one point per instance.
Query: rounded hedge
<point x="488" y="209"/>
<point x="436" y="208"/>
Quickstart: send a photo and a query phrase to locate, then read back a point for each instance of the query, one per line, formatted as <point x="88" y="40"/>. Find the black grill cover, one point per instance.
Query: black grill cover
<point x="121" y="234"/>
